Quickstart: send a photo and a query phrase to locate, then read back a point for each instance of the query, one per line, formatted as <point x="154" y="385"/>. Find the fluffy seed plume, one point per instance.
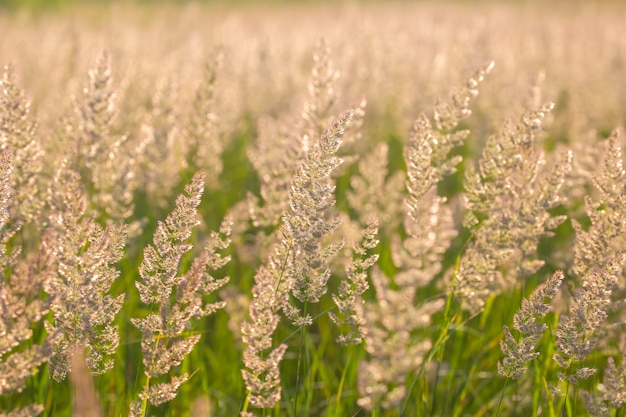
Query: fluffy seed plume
<point x="392" y="351"/>
<point x="518" y="353"/>
<point x="508" y="198"/>
<point x="261" y="362"/>
<point x="577" y="333"/>
<point x="20" y="305"/>
<point x="612" y="391"/>
<point x="349" y="299"/>
<point x="176" y="298"/>
<point x="18" y="132"/>
<point x="310" y="219"/>
<point x="83" y="254"/>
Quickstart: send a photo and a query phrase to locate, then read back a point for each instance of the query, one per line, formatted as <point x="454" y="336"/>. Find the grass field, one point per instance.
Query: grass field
<point x="330" y="209"/>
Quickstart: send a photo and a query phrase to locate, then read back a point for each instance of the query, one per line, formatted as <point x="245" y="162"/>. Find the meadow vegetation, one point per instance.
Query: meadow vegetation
<point x="350" y="210"/>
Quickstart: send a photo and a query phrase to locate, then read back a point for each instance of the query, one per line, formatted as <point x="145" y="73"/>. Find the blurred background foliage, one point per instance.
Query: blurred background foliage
<point x="60" y="4"/>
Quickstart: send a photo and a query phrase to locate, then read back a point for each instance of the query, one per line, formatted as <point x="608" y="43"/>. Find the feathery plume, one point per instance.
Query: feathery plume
<point x="349" y="299"/>
<point x="373" y="194"/>
<point x="158" y="150"/>
<point x="508" y="201"/>
<point x="428" y="221"/>
<point x="393" y="354"/>
<point x="83" y="254"/>
<point x="17" y="132"/>
<point x="279" y="151"/>
<point x="518" y="353"/>
<point x="274" y="157"/>
<point x="612" y="391"/>
<point x="299" y="266"/>
<point x="310" y="219"/>
<point x="322" y="96"/>
<point x="270" y="294"/>
<point x="20" y="306"/>
<point x="261" y="361"/>
<point x="605" y="237"/>
<point x="177" y="298"/>
<point x="103" y="160"/>
<point x="204" y="147"/>
<point x="577" y="334"/>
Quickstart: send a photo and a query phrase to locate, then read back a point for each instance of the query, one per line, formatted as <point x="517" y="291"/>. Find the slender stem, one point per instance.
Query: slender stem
<point x="506" y="381"/>
<point x="302" y="342"/>
<point x="435" y="384"/>
<point x="245" y="403"/>
<point x="565" y="405"/>
<point x="144" y="401"/>
<point x="343" y="377"/>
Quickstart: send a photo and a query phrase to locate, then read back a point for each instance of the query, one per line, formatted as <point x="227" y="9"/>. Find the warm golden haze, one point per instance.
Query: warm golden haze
<point x="330" y="209"/>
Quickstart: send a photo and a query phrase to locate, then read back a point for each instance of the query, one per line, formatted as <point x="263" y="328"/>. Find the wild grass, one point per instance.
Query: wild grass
<point x="352" y="211"/>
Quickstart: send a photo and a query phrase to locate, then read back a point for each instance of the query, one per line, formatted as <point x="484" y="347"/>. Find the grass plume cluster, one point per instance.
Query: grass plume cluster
<point x="376" y="215"/>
